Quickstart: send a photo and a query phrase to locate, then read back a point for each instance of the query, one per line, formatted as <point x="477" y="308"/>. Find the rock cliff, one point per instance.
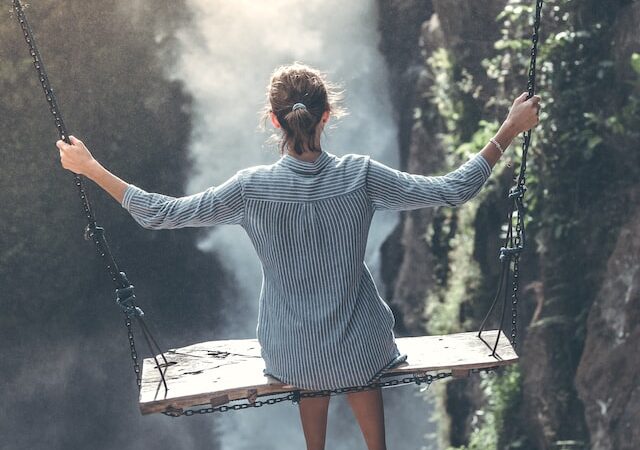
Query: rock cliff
<point x="453" y="65"/>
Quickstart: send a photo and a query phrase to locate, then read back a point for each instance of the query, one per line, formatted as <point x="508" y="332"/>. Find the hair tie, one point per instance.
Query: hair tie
<point x="298" y="106"/>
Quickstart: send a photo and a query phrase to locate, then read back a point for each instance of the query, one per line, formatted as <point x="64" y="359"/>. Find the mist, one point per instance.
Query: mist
<point x="226" y="56"/>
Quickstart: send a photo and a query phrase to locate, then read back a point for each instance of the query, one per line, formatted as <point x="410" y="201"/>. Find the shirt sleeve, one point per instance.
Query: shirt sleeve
<point x="222" y="204"/>
<point x="391" y="189"/>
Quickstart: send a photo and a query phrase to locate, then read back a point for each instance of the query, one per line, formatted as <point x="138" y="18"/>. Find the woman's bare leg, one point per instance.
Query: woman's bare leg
<point x="313" y="415"/>
<point x="369" y="411"/>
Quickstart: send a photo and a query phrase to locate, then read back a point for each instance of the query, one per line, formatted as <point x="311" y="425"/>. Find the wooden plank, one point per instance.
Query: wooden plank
<point x="218" y="372"/>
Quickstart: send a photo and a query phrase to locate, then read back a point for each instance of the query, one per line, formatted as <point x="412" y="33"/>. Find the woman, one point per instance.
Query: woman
<point x="321" y="323"/>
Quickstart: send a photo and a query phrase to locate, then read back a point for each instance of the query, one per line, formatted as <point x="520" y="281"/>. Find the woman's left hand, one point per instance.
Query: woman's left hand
<point x="523" y="114"/>
<point x="75" y="157"/>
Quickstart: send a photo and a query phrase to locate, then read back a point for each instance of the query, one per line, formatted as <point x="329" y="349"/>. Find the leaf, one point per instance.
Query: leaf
<point x="593" y="142"/>
<point x="635" y="62"/>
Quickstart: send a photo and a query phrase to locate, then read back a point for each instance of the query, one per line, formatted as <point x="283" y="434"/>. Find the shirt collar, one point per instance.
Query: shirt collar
<point x="306" y="167"/>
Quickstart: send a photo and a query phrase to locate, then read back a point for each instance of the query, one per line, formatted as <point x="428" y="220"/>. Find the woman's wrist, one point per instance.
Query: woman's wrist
<point x="498" y="144"/>
<point x="93" y="170"/>
<point x="506" y="134"/>
<point x="115" y="186"/>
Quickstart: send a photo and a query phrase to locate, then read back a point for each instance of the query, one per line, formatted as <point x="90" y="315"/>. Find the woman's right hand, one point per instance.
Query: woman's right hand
<point x="524" y="114"/>
<point x="76" y="157"/>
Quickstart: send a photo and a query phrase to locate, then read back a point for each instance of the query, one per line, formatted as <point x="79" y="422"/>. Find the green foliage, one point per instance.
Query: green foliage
<point x="443" y="306"/>
<point x="441" y="70"/>
<point x="635" y="62"/>
<point x="451" y="92"/>
<point x="582" y="162"/>
<point x="486" y="130"/>
<point x="502" y="395"/>
<point x="464" y="279"/>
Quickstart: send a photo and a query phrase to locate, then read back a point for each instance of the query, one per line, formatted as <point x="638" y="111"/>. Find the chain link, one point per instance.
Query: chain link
<point x="134" y="353"/>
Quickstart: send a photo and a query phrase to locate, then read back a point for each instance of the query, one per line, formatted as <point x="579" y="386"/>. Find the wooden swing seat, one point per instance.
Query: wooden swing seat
<point x="217" y="372"/>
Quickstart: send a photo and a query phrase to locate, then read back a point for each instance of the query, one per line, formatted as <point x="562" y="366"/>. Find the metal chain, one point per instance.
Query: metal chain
<point x="93" y="232"/>
<point x="134" y="353"/>
<point x="520" y="236"/>
<point x="515" y="243"/>
<point x="295" y="397"/>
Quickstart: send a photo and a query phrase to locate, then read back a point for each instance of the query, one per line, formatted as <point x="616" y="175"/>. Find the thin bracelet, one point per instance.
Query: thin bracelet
<point x="498" y="146"/>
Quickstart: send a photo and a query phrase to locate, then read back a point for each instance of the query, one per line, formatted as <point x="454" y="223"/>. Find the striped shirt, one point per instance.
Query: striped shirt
<point x="322" y="323"/>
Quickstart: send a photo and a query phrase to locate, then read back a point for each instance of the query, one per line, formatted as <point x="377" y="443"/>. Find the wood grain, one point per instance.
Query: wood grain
<point x="217" y="372"/>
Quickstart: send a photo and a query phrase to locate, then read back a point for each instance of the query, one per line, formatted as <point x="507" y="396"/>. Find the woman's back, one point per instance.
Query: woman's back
<point x="321" y="322"/>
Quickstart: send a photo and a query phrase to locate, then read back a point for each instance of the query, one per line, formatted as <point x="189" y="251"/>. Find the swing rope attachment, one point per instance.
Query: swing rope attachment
<point x="125" y="297"/>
